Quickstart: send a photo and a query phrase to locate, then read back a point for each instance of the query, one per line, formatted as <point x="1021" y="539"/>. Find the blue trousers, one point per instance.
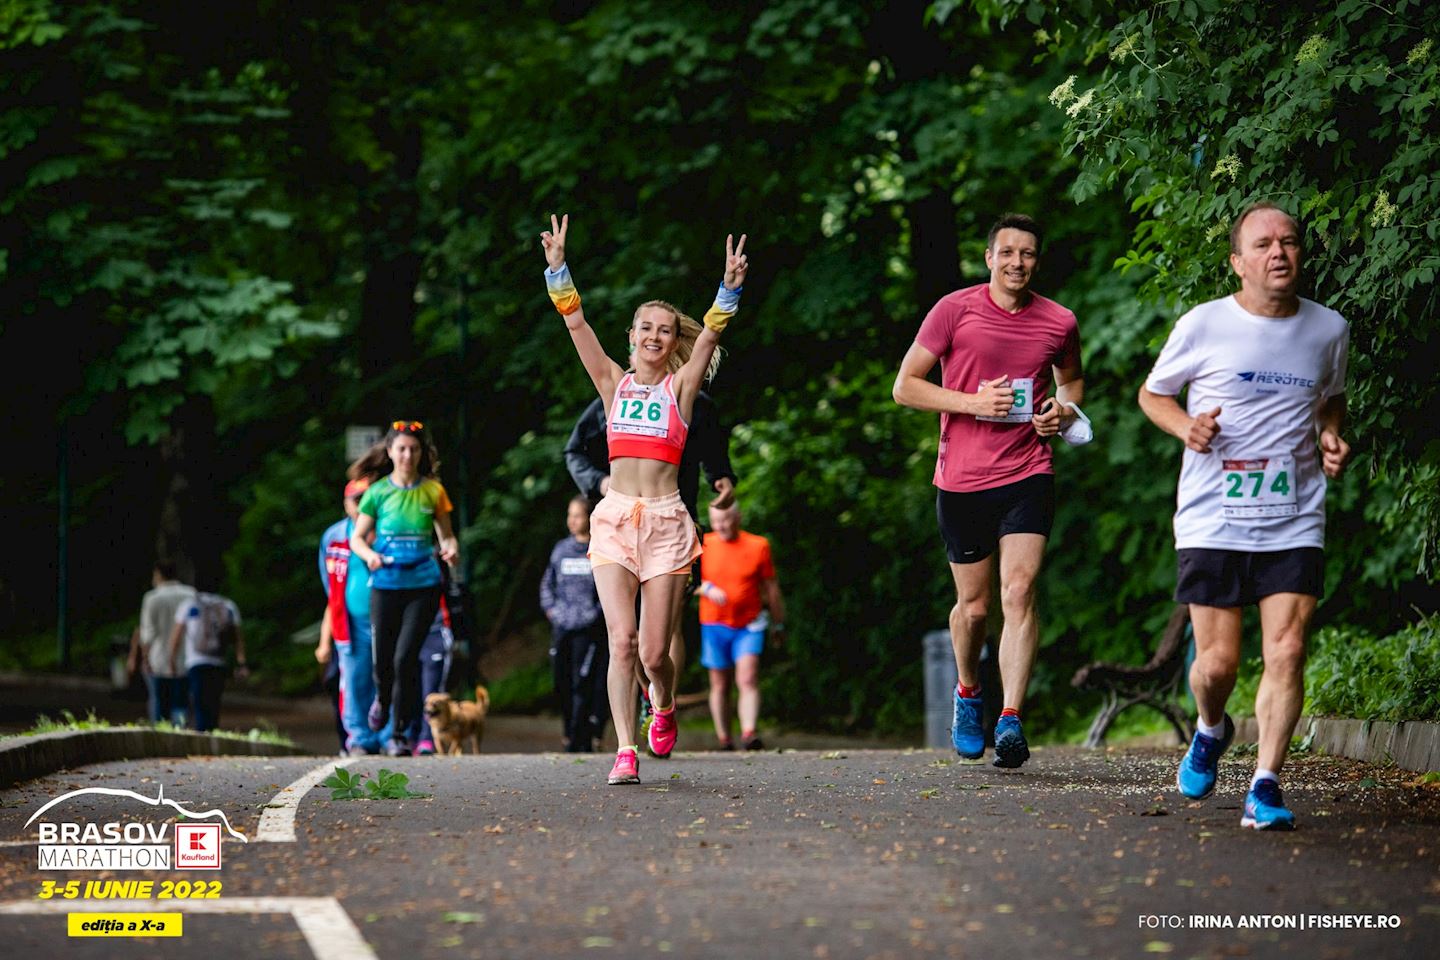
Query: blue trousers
<point x="168" y="697"/>
<point x="357" y="687"/>
<point x="207" y="684"/>
<point x="434" y="672"/>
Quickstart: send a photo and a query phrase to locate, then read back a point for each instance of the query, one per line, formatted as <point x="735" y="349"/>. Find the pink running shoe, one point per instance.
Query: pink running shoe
<point x="662" y="733"/>
<point x="626" y="769"/>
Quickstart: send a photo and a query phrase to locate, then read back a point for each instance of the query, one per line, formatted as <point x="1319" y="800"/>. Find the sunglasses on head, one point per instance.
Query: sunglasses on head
<point x="407" y="426"/>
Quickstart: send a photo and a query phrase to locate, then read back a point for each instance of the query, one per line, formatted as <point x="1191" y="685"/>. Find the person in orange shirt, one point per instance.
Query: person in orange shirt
<point x="739" y="598"/>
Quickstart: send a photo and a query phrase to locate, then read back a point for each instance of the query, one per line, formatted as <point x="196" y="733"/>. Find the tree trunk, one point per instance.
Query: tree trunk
<point x="190" y="529"/>
<point x="385" y="336"/>
<point x="916" y="55"/>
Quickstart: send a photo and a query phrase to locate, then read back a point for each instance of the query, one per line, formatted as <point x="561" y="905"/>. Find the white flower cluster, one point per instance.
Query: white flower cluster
<point x="1420" y="52"/>
<point x="1384" y="213"/>
<point x="1227" y="166"/>
<point x="1064" y="93"/>
<point x="1311" y="49"/>
<point x="1081" y="102"/>
<point x="1125" y="47"/>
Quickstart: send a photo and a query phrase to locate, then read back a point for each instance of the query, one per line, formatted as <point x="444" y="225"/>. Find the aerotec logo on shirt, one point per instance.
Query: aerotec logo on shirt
<point x="1275" y="377"/>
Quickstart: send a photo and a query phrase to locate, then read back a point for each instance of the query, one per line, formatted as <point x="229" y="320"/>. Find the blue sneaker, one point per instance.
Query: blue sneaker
<point x="966" y="734"/>
<point x="1011" y="750"/>
<point x="1265" y="808"/>
<point x="1201" y="764"/>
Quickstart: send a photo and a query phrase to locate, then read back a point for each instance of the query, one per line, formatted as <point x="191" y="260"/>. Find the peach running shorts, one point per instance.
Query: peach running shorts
<point x="649" y="536"/>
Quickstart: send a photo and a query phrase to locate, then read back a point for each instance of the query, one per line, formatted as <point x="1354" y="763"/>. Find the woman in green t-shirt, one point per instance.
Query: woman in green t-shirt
<point x="408" y="510"/>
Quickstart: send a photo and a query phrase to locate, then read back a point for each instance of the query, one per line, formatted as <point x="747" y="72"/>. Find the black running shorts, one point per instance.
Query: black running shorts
<point x="1235" y="578"/>
<point x="971" y="524"/>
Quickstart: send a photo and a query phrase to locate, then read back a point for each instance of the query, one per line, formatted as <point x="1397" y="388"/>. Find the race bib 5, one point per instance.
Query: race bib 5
<point x="1024" y="408"/>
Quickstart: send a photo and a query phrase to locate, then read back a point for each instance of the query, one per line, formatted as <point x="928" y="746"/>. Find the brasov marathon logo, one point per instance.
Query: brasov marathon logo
<point x="131" y="845"/>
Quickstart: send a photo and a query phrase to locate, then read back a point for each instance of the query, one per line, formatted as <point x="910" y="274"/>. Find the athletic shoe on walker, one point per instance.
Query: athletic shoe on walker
<point x="1011" y="750"/>
<point x="626" y="769"/>
<point x="377" y="716"/>
<point x="662" y="733"/>
<point x="1201" y="763"/>
<point x="966" y="734"/>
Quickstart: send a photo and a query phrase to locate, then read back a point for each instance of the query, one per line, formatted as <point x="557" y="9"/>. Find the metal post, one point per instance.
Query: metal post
<point x="62" y="621"/>
<point x="462" y="425"/>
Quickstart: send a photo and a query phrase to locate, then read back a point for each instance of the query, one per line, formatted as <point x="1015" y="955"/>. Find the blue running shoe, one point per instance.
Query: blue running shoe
<point x="1201" y="764"/>
<point x="1011" y="750"/>
<point x="966" y="734"/>
<point x="1265" y="808"/>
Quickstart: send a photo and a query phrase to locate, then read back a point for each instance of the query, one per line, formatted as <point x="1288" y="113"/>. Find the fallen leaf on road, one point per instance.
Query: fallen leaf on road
<point x="597" y="942"/>
<point x="461" y="917"/>
<point x="1158" y="946"/>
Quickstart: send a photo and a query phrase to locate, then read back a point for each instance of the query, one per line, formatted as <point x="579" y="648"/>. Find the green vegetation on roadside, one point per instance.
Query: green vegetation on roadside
<point x="68" y="721"/>
<point x="1352" y="673"/>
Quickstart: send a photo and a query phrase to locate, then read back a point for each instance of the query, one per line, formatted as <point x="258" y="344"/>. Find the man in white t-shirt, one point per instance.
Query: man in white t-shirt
<point x="209" y="627"/>
<point x="150" y="647"/>
<point x="1265" y="371"/>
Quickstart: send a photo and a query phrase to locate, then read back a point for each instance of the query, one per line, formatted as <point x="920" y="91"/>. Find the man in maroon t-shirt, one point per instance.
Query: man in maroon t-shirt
<point x="1001" y="347"/>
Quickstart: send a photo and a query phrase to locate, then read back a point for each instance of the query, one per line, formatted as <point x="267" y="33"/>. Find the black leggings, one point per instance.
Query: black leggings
<point x="400" y="619"/>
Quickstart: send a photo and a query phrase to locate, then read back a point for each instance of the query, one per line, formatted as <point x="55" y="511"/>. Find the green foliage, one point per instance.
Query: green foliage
<point x="1201" y="108"/>
<point x="1351" y="673"/>
<point x="525" y="689"/>
<point x="387" y="785"/>
<point x="344" y="785"/>
<point x="203" y="210"/>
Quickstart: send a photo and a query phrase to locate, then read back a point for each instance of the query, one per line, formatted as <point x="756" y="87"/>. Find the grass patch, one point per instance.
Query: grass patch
<point x="69" y="722"/>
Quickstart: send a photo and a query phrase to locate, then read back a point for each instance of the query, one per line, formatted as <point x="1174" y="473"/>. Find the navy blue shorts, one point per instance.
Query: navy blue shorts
<point x="1236" y="578"/>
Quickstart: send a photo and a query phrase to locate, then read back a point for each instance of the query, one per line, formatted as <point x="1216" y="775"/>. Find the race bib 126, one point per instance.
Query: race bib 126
<point x="642" y="412"/>
<point x="1024" y="408"/>
<point x="1261" y="487"/>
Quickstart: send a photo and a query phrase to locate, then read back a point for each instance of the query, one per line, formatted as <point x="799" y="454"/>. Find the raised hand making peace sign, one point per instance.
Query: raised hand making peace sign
<point x="736" y="263"/>
<point x="553" y="240"/>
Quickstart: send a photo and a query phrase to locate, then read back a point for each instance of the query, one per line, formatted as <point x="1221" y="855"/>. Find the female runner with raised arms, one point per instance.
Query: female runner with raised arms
<point x="641" y="535"/>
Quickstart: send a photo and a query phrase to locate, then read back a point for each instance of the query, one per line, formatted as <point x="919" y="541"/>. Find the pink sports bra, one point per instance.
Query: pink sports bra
<point x="645" y="421"/>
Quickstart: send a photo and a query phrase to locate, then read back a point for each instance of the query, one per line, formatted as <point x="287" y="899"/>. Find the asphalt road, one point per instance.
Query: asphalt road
<point x="850" y="853"/>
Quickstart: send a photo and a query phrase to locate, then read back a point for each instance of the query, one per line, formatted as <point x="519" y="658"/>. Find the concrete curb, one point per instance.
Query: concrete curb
<point x="25" y="758"/>
<point x="1411" y="745"/>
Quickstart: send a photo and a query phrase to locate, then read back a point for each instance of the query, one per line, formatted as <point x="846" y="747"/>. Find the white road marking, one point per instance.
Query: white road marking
<point x="277" y="820"/>
<point x="325" y="924"/>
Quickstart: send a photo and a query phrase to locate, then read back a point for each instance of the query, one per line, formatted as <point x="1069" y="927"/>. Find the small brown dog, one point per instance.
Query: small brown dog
<point x="452" y="721"/>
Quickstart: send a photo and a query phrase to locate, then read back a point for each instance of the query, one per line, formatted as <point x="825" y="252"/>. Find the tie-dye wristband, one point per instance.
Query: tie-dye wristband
<point x="562" y="290"/>
<point x="727" y="304"/>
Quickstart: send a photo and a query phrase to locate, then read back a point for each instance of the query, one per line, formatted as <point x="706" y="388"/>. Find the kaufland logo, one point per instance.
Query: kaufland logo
<point x="197" y="846"/>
